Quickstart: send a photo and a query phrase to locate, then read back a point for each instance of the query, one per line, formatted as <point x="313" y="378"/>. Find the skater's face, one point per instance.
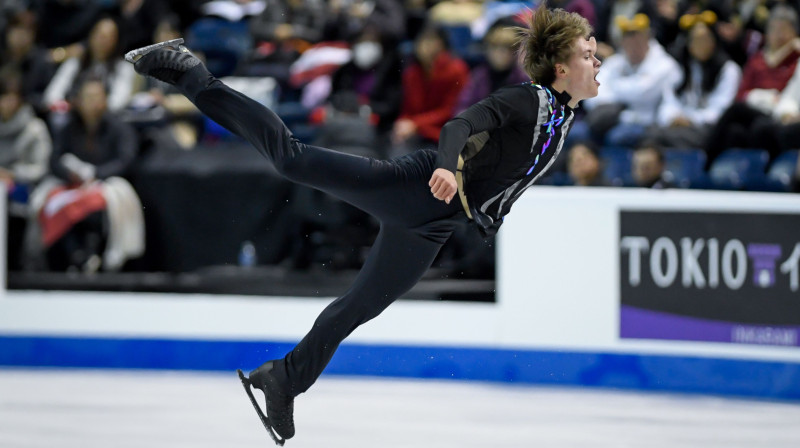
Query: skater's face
<point x="580" y="72"/>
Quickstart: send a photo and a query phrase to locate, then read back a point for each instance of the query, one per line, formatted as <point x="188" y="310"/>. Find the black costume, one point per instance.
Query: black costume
<point x="515" y="135"/>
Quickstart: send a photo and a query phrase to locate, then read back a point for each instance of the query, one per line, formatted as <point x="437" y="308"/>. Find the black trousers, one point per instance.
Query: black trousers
<point x="743" y="126"/>
<point x="414" y="224"/>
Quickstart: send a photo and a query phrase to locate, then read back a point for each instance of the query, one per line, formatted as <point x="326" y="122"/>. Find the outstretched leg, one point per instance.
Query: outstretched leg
<point x="393" y="191"/>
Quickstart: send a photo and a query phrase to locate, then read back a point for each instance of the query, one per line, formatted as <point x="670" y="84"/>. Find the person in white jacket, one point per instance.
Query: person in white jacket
<point x="101" y="59"/>
<point x="633" y="83"/>
<point x="710" y="81"/>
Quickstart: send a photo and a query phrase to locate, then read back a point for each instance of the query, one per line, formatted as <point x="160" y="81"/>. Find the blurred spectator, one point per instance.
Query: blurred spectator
<point x="347" y="126"/>
<point x="431" y="85"/>
<point x="66" y="22"/>
<point x="647" y="167"/>
<point x="233" y="10"/>
<point x="90" y="217"/>
<point x="21" y="53"/>
<point x="374" y="76"/>
<point x="25" y="148"/>
<point x="585" y="8"/>
<point x="710" y="81"/>
<point x="137" y="21"/>
<point x="768" y="71"/>
<point x="169" y="119"/>
<point x="584" y="166"/>
<point x="632" y="85"/>
<point x="670" y="13"/>
<point x="749" y="122"/>
<point x="776" y="130"/>
<point x="607" y="32"/>
<point x="456" y="12"/>
<point x="285" y="29"/>
<point x="102" y="59"/>
<point x="95" y="136"/>
<point x="500" y="69"/>
<point x="349" y="18"/>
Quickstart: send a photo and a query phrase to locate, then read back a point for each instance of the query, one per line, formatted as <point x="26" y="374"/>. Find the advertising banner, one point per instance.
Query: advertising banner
<point x="717" y="277"/>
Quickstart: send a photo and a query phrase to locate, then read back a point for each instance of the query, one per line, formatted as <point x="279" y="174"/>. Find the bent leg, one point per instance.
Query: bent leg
<point x="395" y="264"/>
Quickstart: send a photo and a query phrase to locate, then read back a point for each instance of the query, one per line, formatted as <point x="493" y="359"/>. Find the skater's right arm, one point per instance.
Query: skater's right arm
<point x="507" y="106"/>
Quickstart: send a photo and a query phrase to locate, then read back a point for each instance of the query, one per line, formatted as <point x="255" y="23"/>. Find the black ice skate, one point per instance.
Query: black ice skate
<point x="166" y="61"/>
<point x="278" y="420"/>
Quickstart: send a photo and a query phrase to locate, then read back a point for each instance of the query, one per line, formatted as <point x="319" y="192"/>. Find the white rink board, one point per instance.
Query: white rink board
<point x="560" y="293"/>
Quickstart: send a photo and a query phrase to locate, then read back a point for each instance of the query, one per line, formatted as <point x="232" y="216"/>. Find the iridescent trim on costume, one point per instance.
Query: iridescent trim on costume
<point x="554" y="122"/>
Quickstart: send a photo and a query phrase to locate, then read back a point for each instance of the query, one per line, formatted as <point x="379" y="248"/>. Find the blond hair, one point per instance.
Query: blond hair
<point x="548" y="40"/>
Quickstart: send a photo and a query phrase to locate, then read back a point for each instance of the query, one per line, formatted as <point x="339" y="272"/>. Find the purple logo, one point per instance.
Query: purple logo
<point x="764" y="258"/>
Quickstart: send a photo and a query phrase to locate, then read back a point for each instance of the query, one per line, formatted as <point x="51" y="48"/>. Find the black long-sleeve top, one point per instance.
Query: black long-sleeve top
<point x="508" y="141"/>
<point x="112" y="150"/>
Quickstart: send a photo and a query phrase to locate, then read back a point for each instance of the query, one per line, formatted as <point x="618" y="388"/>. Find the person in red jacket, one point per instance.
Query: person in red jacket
<point x="767" y="72"/>
<point x="747" y="122"/>
<point x="431" y="86"/>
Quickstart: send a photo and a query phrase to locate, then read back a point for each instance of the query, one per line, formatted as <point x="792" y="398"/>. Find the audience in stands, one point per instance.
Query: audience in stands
<point x="349" y="18"/>
<point x="584" y="166"/>
<point x="710" y="81"/>
<point x="386" y="84"/>
<point x="431" y="86"/>
<point x="138" y="20"/>
<point x="456" y="12"/>
<point x="90" y="217"/>
<point x="500" y="69"/>
<point x="102" y="59"/>
<point x="632" y="85"/>
<point x="25" y="148"/>
<point x="647" y="166"/>
<point x="748" y="122"/>
<point x="607" y="31"/>
<point x="586" y="8"/>
<point x="20" y="53"/>
<point x="281" y="32"/>
<point x="373" y="76"/>
<point x="66" y="23"/>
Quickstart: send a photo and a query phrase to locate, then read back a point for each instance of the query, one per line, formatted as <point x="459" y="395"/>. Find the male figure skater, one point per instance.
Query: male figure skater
<point x="488" y="155"/>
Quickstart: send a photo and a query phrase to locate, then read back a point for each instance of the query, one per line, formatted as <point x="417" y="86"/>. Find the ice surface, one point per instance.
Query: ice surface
<point x="84" y="408"/>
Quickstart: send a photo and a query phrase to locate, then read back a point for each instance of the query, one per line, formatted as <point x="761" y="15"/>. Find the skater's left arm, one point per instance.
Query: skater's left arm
<point x="508" y="106"/>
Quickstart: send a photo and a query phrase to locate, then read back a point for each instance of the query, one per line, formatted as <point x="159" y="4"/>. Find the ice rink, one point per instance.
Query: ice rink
<point x="84" y="408"/>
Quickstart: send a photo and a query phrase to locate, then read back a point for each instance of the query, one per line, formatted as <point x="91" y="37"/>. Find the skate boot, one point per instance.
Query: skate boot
<point x="166" y="61"/>
<point x="280" y="406"/>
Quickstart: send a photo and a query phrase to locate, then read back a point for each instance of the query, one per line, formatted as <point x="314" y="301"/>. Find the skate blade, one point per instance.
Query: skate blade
<point x="134" y="55"/>
<point x="264" y="419"/>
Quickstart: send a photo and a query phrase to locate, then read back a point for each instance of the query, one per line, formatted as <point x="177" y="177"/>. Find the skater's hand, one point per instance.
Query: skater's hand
<point x="443" y="185"/>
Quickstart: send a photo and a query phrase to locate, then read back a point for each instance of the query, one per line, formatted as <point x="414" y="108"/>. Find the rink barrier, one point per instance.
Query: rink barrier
<point x="682" y="374"/>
